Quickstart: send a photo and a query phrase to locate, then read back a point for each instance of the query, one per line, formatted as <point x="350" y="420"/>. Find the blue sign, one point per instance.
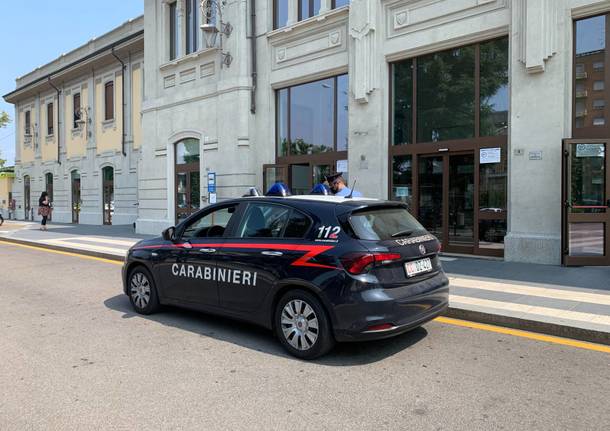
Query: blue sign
<point x="211" y="182"/>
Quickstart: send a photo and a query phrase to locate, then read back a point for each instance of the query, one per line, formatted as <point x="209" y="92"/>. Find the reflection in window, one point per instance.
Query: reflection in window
<point x="309" y="120"/>
<point x="192" y="25"/>
<point x="280" y="13"/>
<point x="590" y="34"/>
<point x="187" y="151"/>
<point x="342" y="112"/>
<point x="402" y="179"/>
<point x="173" y="31"/>
<point x="588" y="178"/>
<point x="308" y="8"/>
<point x="492" y="186"/>
<point x="445" y="95"/>
<point x="491" y="234"/>
<point x="494" y="88"/>
<point x="402" y="88"/>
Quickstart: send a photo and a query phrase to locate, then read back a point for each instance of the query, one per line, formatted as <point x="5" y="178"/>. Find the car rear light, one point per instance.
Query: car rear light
<point x="359" y="263"/>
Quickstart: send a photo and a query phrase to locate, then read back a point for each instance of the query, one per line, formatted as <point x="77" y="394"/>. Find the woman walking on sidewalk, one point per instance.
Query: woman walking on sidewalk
<point x="44" y="209"/>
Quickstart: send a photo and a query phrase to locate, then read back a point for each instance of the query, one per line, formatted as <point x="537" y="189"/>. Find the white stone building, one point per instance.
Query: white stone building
<point x="465" y="109"/>
<point x="78" y="130"/>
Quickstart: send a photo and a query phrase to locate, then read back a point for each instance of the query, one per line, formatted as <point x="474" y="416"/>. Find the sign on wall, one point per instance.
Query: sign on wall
<point x="489" y="155"/>
<point x="590" y="150"/>
<point x="211" y="182"/>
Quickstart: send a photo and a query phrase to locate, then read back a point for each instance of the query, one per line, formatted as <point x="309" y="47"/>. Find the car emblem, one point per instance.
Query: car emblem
<point x="422" y="249"/>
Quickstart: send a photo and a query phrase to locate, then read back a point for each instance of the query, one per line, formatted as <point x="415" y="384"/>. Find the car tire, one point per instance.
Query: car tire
<point x="142" y="291"/>
<point x="302" y="325"/>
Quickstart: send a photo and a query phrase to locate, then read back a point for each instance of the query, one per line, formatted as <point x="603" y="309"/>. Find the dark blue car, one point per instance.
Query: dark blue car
<point x="315" y="269"/>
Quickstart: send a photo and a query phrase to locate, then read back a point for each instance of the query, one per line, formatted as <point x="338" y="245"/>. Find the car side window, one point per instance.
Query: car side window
<point x="273" y="221"/>
<point x="210" y="225"/>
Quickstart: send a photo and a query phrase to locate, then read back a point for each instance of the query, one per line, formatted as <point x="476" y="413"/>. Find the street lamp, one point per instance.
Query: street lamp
<point x="210" y="10"/>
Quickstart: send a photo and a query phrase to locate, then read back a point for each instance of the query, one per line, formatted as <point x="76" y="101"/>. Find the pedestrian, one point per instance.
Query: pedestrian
<point x="44" y="209"/>
<point x="338" y="187"/>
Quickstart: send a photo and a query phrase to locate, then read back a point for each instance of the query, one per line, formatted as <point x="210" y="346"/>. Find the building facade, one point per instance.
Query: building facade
<point x="7" y="178"/>
<point x="78" y="131"/>
<point x="487" y="117"/>
<point x="459" y="108"/>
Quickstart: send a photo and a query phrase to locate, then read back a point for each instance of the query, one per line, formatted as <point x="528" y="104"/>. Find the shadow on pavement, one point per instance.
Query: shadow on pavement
<point x="589" y="277"/>
<point x="260" y="339"/>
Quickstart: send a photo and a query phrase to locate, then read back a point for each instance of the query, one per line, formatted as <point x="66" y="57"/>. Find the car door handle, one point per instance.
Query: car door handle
<point x="272" y="253"/>
<point x="207" y="250"/>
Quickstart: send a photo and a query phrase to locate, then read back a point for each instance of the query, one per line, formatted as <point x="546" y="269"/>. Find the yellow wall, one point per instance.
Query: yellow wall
<point x="136" y="98"/>
<point x="48" y="145"/>
<point x="76" y="142"/>
<point x="27" y="151"/>
<point x="6" y="186"/>
<point x="108" y="136"/>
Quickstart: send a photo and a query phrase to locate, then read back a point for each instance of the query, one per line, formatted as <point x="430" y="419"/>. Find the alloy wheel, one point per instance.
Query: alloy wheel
<point x="299" y="324"/>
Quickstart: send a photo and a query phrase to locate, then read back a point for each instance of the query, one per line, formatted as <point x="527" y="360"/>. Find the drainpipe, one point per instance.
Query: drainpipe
<point x="253" y="52"/>
<point x="123" y="67"/>
<point x="58" y="117"/>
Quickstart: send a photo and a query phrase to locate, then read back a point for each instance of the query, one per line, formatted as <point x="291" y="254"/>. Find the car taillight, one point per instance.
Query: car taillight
<point x="359" y="263"/>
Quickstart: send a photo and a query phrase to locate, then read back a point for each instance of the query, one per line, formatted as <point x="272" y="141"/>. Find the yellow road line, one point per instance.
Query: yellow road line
<point x="524" y="334"/>
<point x="65" y="253"/>
<point x="446" y="320"/>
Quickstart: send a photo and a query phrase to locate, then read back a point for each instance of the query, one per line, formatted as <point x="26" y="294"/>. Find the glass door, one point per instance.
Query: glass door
<point x="76" y="202"/>
<point x="446" y="190"/>
<point x="274" y="174"/>
<point x="49" y="189"/>
<point x="108" y="194"/>
<point x="585" y="233"/>
<point x="430" y="181"/>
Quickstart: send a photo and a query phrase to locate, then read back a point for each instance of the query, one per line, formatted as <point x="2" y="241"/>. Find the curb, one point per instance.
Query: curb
<point x="91" y="253"/>
<point x="554" y="329"/>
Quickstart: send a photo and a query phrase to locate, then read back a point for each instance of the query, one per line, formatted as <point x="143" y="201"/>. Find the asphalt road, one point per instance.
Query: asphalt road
<point x="74" y="356"/>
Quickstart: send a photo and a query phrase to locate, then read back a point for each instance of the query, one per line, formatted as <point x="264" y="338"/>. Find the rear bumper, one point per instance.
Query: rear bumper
<point x="398" y="306"/>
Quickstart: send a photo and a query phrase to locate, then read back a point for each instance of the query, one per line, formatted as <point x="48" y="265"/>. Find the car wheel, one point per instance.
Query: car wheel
<point x="142" y="291"/>
<point x="302" y="325"/>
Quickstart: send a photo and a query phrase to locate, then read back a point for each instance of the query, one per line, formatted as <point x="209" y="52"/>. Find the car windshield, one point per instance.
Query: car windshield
<point x="384" y="223"/>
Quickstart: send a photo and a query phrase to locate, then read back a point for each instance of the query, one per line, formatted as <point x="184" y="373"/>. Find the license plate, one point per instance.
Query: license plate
<point x="418" y="266"/>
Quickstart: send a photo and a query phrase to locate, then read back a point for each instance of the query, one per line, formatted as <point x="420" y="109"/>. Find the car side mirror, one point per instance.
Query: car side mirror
<point x="169" y="234"/>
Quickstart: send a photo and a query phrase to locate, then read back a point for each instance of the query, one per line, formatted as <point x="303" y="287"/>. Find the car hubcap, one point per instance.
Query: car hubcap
<point x="140" y="290"/>
<point x="299" y="324"/>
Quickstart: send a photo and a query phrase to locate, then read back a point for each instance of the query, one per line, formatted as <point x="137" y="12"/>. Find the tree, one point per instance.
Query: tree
<point x="4" y="119"/>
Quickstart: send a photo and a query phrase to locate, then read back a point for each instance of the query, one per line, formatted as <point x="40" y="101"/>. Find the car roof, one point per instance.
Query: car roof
<point x="337" y="200"/>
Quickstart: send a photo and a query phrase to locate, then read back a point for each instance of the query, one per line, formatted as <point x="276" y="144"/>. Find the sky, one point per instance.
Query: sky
<point x="35" y="32"/>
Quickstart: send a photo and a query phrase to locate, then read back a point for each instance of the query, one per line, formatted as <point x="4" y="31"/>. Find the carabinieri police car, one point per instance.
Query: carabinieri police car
<point x="314" y="269"/>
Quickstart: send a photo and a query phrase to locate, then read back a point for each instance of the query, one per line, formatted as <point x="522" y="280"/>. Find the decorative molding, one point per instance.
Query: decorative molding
<point x="362" y="19"/>
<point x="536" y="32"/>
<point x="206" y="70"/>
<point x="403" y="17"/>
<point x="323" y="42"/>
<point x="188" y="75"/>
<point x="169" y="81"/>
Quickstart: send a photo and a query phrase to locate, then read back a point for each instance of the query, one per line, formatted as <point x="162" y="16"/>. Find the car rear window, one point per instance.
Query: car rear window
<point x="384" y="223"/>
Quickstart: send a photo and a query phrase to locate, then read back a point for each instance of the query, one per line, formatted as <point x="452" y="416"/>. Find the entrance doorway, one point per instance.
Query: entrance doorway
<point x="586" y="213"/>
<point x="446" y="199"/>
<point x="301" y="177"/>
<point x="76" y="200"/>
<point x="108" y="194"/>
<point x="187" y="179"/>
<point x="49" y="189"/>
<point x="26" y="197"/>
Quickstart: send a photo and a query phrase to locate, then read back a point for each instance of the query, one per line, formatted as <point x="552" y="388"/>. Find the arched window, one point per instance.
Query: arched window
<point x="187" y="170"/>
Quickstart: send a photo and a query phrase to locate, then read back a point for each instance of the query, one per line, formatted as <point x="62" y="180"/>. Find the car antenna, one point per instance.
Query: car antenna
<point x="352" y="190"/>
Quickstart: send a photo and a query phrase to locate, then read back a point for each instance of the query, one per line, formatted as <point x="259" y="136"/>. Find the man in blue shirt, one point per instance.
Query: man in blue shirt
<point x="338" y="187"/>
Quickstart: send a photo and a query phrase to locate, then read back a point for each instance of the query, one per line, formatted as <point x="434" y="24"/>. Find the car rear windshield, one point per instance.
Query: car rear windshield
<point x="384" y="223"/>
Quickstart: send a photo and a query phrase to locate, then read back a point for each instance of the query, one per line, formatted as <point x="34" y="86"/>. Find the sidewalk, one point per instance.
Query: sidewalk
<point x="110" y="242"/>
<point x="568" y="302"/>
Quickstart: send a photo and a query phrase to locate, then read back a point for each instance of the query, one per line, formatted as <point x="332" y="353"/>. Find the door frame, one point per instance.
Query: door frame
<point x="567" y="217"/>
<point x="27" y="196"/>
<point x="49" y="190"/>
<point x="107" y="215"/>
<point x="446" y="246"/>
<point x="75" y="210"/>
